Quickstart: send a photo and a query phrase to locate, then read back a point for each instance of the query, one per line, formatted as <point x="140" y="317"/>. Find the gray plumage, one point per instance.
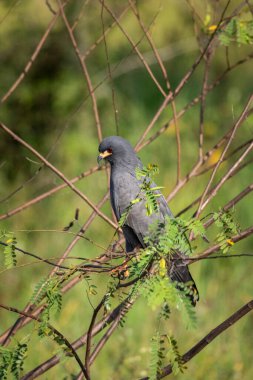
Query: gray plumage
<point x="124" y="188"/>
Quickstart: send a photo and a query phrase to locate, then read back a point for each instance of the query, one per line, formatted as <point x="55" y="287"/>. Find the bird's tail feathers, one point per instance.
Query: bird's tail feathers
<point x="181" y="274"/>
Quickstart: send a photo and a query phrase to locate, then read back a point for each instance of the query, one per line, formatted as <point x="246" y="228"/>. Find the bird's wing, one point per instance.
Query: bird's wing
<point x="138" y="219"/>
<point x="129" y="203"/>
<point x="137" y="224"/>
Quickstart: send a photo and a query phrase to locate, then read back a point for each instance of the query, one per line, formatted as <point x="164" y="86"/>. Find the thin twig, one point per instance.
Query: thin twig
<point x="242" y="235"/>
<point x="235" y="317"/>
<point x="240" y="120"/>
<point x="109" y="71"/>
<point x="230" y="173"/>
<point x="135" y="48"/>
<point x="47" y="194"/>
<point x="32" y="58"/>
<point x="54" y="360"/>
<point x="58" y="173"/>
<point x="54" y="330"/>
<point x="193" y="102"/>
<point x="101" y="38"/>
<point x="84" y="69"/>
<point x="30" y="307"/>
<point x="168" y="85"/>
<point x="202" y="105"/>
<point x="89" y="335"/>
<point x="232" y="202"/>
<point x="183" y="81"/>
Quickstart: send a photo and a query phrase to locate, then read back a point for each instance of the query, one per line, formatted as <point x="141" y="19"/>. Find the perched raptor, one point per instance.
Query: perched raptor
<point x="124" y="188"/>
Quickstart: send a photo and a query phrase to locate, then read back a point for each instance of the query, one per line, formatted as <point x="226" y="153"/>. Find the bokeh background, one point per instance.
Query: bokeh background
<point x="51" y="109"/>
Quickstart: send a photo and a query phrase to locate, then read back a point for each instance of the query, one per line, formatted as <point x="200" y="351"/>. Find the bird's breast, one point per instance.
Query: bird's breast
<point x="124" y="188"/>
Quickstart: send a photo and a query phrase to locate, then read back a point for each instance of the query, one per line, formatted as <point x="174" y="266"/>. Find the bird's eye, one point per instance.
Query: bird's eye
<point x="109" y="150"/>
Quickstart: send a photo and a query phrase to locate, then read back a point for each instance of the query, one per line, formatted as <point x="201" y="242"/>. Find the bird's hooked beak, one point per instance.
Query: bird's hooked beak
<point x="103" y="155"/>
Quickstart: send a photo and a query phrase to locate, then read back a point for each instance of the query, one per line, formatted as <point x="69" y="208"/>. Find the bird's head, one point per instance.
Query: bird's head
<point x="117" y="151"/>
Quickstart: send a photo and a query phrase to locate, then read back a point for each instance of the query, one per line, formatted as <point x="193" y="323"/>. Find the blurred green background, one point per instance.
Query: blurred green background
<point x="51" y="110"/>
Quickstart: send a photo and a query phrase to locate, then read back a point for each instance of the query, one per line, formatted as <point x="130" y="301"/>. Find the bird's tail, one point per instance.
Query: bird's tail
<point x="179" y="272"/>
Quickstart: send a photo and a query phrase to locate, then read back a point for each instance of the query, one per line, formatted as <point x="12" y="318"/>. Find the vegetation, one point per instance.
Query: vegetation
<point x="174" y="78"/>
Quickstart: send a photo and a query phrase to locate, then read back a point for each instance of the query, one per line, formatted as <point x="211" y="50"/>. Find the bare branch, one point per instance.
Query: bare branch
<point x="134" y="47"/>
<point x="89" y="335"/>
<point x="54" y="330"/>
<point x="109" y="71"/>
<point x="182" y="82"/>
<point x="105" y="321"/>
<point x="242" y="235"/>
<point x="48" y="193"/>
<point x="209" y="337"/>
<point x="30" y="307"/>
<point x="202" y="105"/>
<point x="85" y="70"/>
<point x="58" y="173"/>
<point x="241" y="119"/>
<point x="193" y="103"/>
<point x="33" y="57"/>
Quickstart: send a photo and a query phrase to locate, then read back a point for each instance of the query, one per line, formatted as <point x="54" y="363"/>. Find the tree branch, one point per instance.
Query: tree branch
<point x="209" y="337"/>
<point x="54" y="330"/>
<point x="58" y="173"/>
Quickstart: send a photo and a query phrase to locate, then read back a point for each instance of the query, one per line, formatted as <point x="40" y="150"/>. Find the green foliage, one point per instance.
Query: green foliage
<point x="238" y="31"/>
<point x="173" y="235"/>
<point x="164" y="242"/>
<point x="39" y="291"/>
<point x="93" y="289"/>
<point x="194" y="226"/>
<point x="148" y="193"/>
<point x="48" y="289"/>
<point x="169" y="236"/>
<point x="50" y="95"/>
<point x="125" y="214"/>
<point x="13" y="360"/>
<point x="160" y="291"/>
<point x="6" y="356"/>
<point x="164" y="347"/>
<point x="174" y="356"/>
<point x="141" y="262"/>
<point x="54" y="296"/>
<point x="58" y="339"/>
<point x="10" y="259"/>
<point x="225" y="222"/>
<point x="165" y="311"/>
<point x="111" y="288"/>
<point x="156" y="356"/>
<point x="151" y="193"/>
<point x="188" y="313"/>
<point x="18" y="356"/>
<point x="149" y="171"/>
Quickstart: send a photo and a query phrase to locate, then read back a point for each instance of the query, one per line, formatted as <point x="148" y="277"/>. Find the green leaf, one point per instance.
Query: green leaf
<point x="10" y="259"/>
<point x="5" y="362"/>
<point x="18" y="356"/>
<point x="174" y="356"/>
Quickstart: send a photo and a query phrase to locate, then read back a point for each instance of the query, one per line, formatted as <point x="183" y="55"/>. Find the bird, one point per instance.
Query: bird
<point x="125" y="187"/>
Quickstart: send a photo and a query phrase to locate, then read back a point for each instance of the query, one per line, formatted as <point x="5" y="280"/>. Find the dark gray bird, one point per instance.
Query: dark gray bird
<point x="124" y="188"/>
